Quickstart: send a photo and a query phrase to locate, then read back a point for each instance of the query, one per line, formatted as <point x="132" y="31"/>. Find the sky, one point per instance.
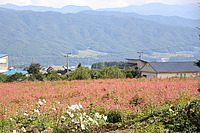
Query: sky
<point x="95" y="4"/>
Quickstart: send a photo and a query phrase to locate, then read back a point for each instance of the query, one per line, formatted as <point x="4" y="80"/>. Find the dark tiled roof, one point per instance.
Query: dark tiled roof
<point x="130" y="64"/>
<point x="135" y="59"/>
<point x="175" y="67"/>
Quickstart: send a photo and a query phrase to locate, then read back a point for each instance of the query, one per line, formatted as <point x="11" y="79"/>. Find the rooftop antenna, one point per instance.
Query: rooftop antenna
<point x="140" y="54"/>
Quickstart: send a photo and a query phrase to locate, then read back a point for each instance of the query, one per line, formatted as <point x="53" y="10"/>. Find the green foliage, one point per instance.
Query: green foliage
<point x="16" y="77"/>
<point x="34" y="68"/>
<point x="100" y="65"/>
<point x="197" y="63"/>
<point x="31" y="35"/>
<point x="95" y="73"/>
<point x="112" y="72"/>
<point x="80" y="73"/>
<point x="183" y="117"/>
<point x="132" y="74"/>
<point x="3" y="77"/>
<point x="79" y="65"/>
<point x="136" y="100"/>
<point x="53" y="75"/>
<point x="114" y="116"/>
<point x="72" y="119"/>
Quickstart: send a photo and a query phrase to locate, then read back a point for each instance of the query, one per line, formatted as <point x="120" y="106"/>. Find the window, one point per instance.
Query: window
<point x="144" y="75"/>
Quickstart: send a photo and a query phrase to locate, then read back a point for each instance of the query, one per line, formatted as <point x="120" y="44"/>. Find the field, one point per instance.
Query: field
<point x="127" y="96"/>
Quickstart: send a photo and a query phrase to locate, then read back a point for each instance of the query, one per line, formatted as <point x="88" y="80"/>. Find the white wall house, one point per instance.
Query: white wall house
<point x="3" y="63"/>
<point x="170" y="69"/>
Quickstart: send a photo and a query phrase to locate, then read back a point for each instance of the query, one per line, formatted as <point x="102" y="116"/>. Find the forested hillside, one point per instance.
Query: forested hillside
<point x="28" y="36"/>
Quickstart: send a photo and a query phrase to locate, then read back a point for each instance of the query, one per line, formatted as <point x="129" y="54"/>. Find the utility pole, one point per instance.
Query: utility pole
<point x="67" y="60"/>
<point x="32" y="60"/>
<point x="140" y="54"/>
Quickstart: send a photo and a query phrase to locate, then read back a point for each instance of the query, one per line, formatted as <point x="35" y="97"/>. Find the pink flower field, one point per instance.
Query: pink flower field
<point x="103" y="94"/>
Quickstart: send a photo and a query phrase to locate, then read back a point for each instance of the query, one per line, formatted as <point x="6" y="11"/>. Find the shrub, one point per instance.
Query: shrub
<point x="16" y="77"/>
<point x="3" y="77"/>
<point x="114" y="116"/>
<point x="80" y="73"/>
<point x="53" y="75"/>
<point x="112" y="72"/>
<point x="95" y="73"/>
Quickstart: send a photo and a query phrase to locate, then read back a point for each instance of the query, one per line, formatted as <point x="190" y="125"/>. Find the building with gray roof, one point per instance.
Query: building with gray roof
<point x="170" y="69"/>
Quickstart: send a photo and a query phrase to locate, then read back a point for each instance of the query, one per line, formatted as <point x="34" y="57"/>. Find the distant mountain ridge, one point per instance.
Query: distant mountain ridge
<point x="65" y="9"/>
<point x="186" y="11"/>
<point x="169" y="20"/>
<point x="190" y="11"/>
<point x="42" y="36"/>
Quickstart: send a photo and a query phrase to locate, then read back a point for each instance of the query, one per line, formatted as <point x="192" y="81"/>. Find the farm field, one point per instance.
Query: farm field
<point x="127" y="96"/>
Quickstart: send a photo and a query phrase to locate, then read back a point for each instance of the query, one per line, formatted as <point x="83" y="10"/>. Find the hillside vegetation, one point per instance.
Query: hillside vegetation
<point x="42" y="36"/>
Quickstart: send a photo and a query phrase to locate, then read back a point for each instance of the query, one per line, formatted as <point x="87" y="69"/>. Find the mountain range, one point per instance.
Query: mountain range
<point x="32" y="36"/>
<point x="186" y="11"/>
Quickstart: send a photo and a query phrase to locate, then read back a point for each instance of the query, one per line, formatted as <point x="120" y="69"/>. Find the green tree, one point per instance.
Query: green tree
<point x="112" y="72"/>
<point x="34" y="68"/>
<point x="80" y="73"/>
<point x="16" y="77"/>
<point x="79" y="65"/>
<point x="197" y="63"/>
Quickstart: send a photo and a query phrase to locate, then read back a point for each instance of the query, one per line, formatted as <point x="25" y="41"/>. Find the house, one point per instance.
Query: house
<point x="133" y="64"/>
<point x="170" y="69"/>
<point x="61" y="69"/>
<point x="56" y="68"/>
<point x="3" y="63"/>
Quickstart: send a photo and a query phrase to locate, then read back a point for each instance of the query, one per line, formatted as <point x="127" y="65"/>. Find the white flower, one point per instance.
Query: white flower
<point x="54" y="109"/>
<point x="70" y="113"/>
<point x="105" y="117"/>
<point x="75" y="107"/>
<point x="23" y="129"/>
<point x="63" y="117"/>
<point x="14" y="131"/>
<point x="98" y="115"/>
<point x="40" y="102"/>
<point x="36" y="111"/>
<point x="84" y="114"/>
<point x="11" y="119"/>
<point x="44" y="100"/>
<point x="75" y="121"/>
<point x="82" y="126"/>
<point x="80" y="106"/>
<point x="81" y="118"/>
<point x="72" y="107"/>
<point x="26" y="114"/>
<point x="93" y="121"/>
<point x="58" y="102"/>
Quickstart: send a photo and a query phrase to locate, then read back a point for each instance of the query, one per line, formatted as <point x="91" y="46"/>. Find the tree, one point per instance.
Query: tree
<point x="197" y="63"/>
<point x="34" y="68"/>
<point x="79" y="65"/>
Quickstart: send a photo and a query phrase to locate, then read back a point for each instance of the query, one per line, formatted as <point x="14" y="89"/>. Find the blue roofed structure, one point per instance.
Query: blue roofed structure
<point x="3" y="55"/>
<point x="10" y="72"/>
